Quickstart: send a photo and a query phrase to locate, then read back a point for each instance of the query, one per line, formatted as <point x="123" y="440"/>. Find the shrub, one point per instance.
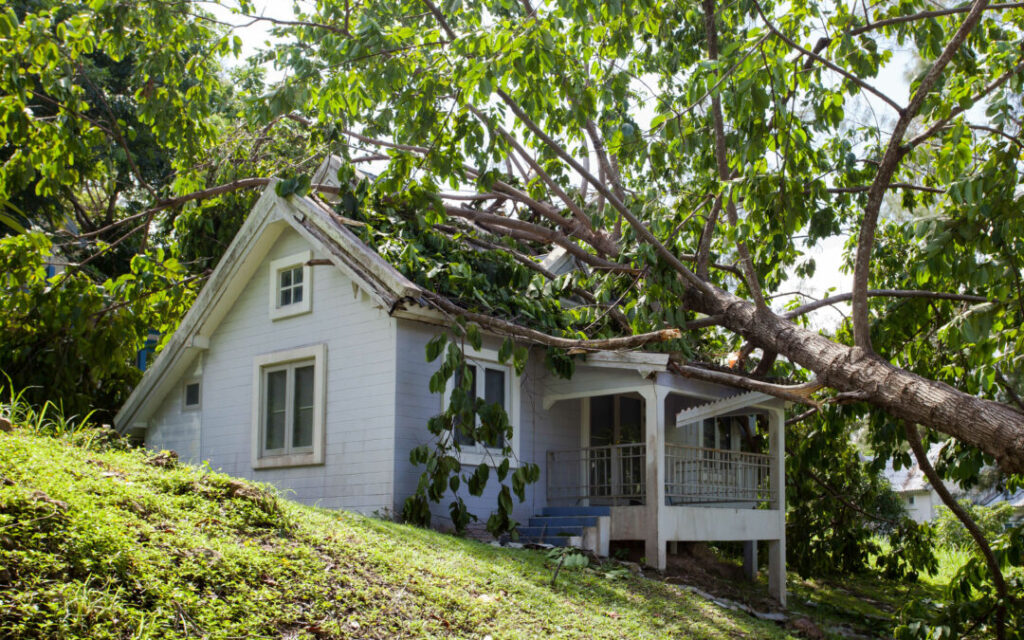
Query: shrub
<point x="951" y="532"/>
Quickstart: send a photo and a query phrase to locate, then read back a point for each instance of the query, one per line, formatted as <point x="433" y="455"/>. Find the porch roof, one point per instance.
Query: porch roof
<point x="609" y="373"/>
<point x="724" y="405"/>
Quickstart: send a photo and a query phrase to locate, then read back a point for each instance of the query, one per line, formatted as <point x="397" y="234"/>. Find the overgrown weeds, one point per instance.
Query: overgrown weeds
<point x="48" y="419"/>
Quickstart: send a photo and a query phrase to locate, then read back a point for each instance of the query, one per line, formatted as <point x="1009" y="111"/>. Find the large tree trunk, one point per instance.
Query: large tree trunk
<point x="996" y="429"/>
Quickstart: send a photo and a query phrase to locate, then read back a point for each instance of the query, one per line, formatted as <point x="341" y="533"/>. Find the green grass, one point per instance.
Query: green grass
<point x="99" y="541"/>
<point x="950" y="561"/>
<point x="867" y="603"/>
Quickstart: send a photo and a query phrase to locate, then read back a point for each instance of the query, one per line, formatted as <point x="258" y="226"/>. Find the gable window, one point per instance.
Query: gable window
<point x="288" y="407"/>
<point x="190" y="395"/>
<point x="291" y="286"/>
<point x="497" y="384"/>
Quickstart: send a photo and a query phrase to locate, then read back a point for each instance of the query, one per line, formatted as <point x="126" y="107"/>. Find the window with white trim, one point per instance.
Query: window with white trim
<point x="495" y="383"/>
<point x="288" y="407"/>
<point x="291" y="286"/>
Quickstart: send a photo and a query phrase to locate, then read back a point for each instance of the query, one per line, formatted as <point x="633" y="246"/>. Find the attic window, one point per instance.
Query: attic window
<point x="291" y="286"/>
<point x="191" y="395"/>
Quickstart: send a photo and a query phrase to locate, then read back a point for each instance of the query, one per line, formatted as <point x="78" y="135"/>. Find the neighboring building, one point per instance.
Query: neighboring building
<point x="922" y="501"/>
<point x="918" y="496"/>
<point x="302" y="363"/>
<point x="915" y="491"/>
<point x="913" y="488"/>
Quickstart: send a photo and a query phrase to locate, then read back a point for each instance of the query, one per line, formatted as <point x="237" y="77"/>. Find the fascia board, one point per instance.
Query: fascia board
<point x="723" y="406"/>
<point x="354" y="258"/>
<point x="256" y="236"/>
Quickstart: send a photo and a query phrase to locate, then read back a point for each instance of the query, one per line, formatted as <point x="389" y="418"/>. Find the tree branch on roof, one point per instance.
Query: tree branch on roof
<point x="799" y="393"/>
<point x="504" y="327"/>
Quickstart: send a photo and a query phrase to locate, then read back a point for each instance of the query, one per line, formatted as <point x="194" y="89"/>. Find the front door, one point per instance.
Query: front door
<point x="617" y="462"/>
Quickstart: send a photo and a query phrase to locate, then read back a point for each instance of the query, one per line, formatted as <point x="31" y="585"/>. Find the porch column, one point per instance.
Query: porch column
<point x="654" y="543"/>
<point x="750" y="560"/>
<point x="777" y="547"/>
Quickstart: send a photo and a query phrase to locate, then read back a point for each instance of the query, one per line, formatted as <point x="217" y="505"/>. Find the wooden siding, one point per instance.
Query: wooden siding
<point x="176" y="430"/>
<point x="540" y="429"/>
<point x="360" y="339"/>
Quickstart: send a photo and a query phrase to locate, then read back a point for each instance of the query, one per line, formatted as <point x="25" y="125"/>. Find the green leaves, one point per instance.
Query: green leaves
<point x="70" y="338"/>
<point x="478" y="480"/>
<point x="435" y="346"/>
<point x="298" y="185"/>
<point x="468" y="424"/>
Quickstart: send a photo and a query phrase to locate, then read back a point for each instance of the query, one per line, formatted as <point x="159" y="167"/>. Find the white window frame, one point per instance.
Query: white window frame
<point x="290" y="358"/>
<point x="479" y="453"/>
<point x="185" y="406"/>
<point x="300" y="259"/>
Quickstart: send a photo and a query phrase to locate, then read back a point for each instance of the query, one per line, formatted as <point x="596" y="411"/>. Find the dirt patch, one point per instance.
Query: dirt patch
<point x="39" y="496"/>
<point x="807" y="629"/>
<point x="697" y="560"/>
<point x="697" y="565"/>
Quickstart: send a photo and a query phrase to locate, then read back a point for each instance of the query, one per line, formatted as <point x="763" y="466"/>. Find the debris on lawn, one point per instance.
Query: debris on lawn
<point x="164" y="459"/>
<point x="807" y="628"/>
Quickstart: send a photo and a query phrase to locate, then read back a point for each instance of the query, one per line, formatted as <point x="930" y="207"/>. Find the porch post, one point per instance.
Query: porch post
<point x="777" y="547"/>
<point x="750" y="560"/>
<point x="654" y="544"/>
<point x="583" y="494"/>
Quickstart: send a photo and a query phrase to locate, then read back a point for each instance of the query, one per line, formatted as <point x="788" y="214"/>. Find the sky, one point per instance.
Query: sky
<point x="255" y="35"/>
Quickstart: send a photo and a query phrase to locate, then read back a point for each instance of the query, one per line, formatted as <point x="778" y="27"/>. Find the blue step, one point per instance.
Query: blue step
<point x="557" y="541"/>
<point x="554" y="541"/>
<point x="576" y="511"/>
<point x="564" y="521"/>
<point x="531" y="533"/>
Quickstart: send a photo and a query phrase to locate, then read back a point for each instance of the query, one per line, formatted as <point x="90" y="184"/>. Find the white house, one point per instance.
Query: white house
<point x="914" y="490"/>
<point x="302" y="363"/>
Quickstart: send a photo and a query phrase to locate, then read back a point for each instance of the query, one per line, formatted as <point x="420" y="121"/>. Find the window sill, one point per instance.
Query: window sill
<point x="476" y="457"/>
<point x="292" y="460"/>
<point x="285" y="312"/>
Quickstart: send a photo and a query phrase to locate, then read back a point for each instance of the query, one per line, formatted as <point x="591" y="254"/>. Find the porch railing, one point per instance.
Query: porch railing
<point x="614" y="475"/>
<point x="695" y="475"/>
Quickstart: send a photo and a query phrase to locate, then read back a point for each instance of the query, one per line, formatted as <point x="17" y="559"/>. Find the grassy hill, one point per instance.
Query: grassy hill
<point x="99" y="541"/>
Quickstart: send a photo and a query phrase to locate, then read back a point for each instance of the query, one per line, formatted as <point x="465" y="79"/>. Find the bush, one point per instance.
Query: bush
<point x="951" y="532"/>
<point x="74" y="337"/>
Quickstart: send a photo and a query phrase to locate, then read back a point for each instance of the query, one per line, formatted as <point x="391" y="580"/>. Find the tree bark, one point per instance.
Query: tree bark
<point x="994" y="428"/>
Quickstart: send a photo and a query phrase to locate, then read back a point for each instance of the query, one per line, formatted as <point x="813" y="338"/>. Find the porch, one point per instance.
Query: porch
<point x="667" y="460"/>
<point x="615" y="475"/>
